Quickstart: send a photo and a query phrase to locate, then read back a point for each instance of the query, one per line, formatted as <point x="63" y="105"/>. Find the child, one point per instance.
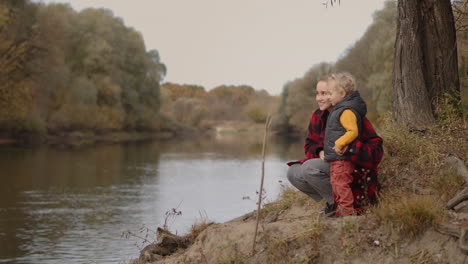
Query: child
<point x="343" y="127"/>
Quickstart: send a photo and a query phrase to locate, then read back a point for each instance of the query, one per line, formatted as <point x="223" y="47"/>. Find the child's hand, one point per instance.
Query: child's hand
<point x="339" y="151"/>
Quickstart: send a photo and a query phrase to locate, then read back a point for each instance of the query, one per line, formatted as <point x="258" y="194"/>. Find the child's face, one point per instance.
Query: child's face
<point x="335" y="95"/>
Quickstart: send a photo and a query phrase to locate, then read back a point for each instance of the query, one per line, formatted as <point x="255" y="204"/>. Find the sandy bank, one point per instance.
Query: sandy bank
<point x="301" y="235"/>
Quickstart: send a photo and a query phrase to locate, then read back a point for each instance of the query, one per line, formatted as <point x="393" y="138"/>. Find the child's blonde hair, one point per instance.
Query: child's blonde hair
<point x="343" y="81"/>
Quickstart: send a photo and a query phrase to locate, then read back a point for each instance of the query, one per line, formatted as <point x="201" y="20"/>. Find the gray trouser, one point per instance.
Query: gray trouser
<point x="312" y="178"/>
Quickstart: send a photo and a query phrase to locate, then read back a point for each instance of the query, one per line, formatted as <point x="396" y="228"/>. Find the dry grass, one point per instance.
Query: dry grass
<point x="415" y="160"/>
<point x="408" y="156"/>
<point x="410" y="215"/>
<point x="414" y="178"/>
<point x="292" y="196"/>
<point x="198" y="227"/>
<point x="237" y="258"/>
<point x="276" y="206"/>
<point x="286" y="199"/>
<point x="286" y="250"/>
<point x="423" y="256"/>
<point x="301" y="247"/>
<point x="447" y="184"/>
<point x="277" y="250"/>
<point x="351" y="238"/>
<point x="232" y="260"/>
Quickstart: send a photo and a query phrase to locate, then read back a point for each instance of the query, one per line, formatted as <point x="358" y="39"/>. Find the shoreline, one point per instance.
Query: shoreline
<point x="82" y="139"/>
<point x="292" y="230"/>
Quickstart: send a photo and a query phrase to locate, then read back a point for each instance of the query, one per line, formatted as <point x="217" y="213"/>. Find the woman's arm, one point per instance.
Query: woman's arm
<point x="367" y="151"/>
<point x="315" y="135"/>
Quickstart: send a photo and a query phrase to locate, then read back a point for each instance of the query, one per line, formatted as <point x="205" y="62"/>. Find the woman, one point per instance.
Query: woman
<point x="312" y="175"/>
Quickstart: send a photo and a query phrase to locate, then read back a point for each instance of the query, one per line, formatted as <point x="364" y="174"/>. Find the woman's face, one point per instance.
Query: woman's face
<point x="322" y="98"/>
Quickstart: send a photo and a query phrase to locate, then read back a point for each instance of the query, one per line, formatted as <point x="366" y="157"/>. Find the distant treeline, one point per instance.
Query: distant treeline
<point x="192" y="105"/>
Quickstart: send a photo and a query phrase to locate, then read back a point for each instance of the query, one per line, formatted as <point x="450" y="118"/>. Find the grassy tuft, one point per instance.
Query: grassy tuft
<point x="449" y="108"/>
<point x="286" y="199"/>
<point x="296" y="197"/>
<point x="354" y="235"/>
<point x="284" y="250"/>
<point x="235" y="257"/>
<point x="447" y="184"/>
<point x="199" y="227"/>
<point x="416" y="158"/>
<point x="277" y="250"/>
<point x="410" y="215"/>
<point x="423" y="256"/>
<point x="232" y="260"/>
<point x="408" y="155"/>
<point x="277" y="206"/>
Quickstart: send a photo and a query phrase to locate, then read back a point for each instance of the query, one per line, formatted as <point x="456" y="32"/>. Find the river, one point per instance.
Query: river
<point x="76" y="205"/>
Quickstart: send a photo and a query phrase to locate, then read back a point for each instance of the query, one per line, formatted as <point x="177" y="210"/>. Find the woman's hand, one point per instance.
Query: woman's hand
<point x="322" y="155"/>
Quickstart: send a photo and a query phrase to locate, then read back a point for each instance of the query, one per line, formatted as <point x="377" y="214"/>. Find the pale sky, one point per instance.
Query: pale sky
<point x="261" y="43"/>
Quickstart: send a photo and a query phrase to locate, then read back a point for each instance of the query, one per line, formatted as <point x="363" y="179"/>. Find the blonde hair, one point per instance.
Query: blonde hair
<point x="343" y="81"/>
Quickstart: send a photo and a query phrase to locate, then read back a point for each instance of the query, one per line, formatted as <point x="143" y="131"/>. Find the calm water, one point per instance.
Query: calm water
<point x="72" y="206"/>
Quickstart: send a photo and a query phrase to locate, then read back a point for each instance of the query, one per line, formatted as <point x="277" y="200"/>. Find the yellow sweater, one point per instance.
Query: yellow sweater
<point x="349" y="121"/>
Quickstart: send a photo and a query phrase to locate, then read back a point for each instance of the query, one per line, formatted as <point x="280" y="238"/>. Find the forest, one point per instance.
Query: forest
<point x="65" y="71"/>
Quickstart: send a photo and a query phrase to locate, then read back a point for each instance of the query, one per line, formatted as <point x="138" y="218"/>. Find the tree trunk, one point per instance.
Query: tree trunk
<point x="425" y="69"/>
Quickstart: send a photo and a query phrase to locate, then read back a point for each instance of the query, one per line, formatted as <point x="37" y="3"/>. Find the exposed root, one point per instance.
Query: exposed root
<point x="449" y="229"/>
<point x="167" y="245"/>
<point x="461" y="169"/>
<point x="458" y="199"/>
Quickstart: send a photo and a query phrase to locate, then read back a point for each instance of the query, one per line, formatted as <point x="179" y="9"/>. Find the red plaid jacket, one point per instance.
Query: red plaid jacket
<point x="366" y="153"/>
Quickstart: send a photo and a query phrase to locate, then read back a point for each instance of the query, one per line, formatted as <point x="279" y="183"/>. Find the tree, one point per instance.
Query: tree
<point x="425" y="71"/>
<point x="15" y="92"/>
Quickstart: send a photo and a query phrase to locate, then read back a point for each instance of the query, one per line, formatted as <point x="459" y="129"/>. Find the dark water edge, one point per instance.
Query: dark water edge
<point x="79" y="139"/>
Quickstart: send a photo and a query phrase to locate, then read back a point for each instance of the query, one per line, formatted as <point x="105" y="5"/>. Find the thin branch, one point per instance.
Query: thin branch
<point x="265" y="136"/>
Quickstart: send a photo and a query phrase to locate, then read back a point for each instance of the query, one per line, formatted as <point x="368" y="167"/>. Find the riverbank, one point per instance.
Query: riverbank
<point x="419" y="178"/>
<point x="299" y="234"/>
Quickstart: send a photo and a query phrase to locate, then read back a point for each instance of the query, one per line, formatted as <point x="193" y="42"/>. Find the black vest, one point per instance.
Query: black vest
<point x="335" y="130"/>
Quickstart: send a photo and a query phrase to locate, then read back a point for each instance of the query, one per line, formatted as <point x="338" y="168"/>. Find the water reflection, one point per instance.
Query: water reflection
<point x="72" y="206"/>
